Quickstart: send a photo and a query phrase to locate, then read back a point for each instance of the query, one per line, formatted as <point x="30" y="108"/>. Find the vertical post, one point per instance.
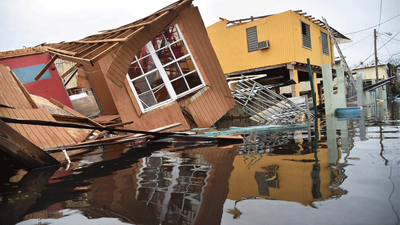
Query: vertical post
<point x="328" y="89"/>
<point x="376" y="57"/>
<point x="317" y="95"/>
<point x="94" y="92"/>
<point x="360" y="93"/>
<point x="312" y="86"/>
<point x="295" y="87"/>
<point x="341" y="95"/>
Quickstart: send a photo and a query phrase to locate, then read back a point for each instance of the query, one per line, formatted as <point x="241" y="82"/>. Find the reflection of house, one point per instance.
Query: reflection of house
<point x="159" y="70"/>
<point x="277" y="45"/>
<point x="284" y="177"/>
<point x="26" y="64"/>
<point x="188" y="187"/>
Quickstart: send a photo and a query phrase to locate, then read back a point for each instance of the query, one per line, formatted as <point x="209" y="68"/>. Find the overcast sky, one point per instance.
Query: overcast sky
<point x="27" y="23"/>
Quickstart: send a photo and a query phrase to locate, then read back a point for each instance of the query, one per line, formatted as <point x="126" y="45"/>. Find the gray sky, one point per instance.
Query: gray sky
<point x="32" y="22"/>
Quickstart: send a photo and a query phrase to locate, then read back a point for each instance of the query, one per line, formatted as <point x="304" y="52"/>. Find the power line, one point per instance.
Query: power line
<point x="372" y="26"/>
<point x="380" y="16"/>
<point x="357" y="42"/>
<point x="377" y="49"/>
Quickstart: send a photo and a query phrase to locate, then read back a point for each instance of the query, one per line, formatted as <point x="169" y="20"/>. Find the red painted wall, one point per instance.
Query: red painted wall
<point x="46" y="88"/>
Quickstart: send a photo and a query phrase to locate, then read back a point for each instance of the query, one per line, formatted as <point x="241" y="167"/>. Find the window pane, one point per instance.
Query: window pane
<point x="158" y="41"/>
<point x="179" y="49"/>
<point x="171" y="34"/>
<point x="186" y="65"/>
<point x="147" y="64"/>
<point x="134" y="70"/>
<point x="193" y="80"/>
<point x="147" y="99"/>
<point x="154" y="79"/>
<point x="161" y="93"/>
<point x="173" y="71"/>
<point x="141" y="85"/>
<point x="179" y="86"/>
<point x="165" y="55"/>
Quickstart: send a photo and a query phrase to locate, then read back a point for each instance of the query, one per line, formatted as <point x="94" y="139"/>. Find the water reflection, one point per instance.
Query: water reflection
<point x="335" y="166"/>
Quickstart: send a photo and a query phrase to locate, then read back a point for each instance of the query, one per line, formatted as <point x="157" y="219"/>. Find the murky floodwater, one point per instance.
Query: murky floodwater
<point x="341" y="171"/>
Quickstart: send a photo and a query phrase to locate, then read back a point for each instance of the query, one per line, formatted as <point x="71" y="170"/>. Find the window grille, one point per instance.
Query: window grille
<point x="305" y="30"/>
<point x="164" y="71"/>
<point x="252" y="39"/>
<point x="325" y="45"/>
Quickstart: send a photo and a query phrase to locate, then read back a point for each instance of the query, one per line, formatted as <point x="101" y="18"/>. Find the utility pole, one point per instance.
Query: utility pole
<point x="376" y="57"/>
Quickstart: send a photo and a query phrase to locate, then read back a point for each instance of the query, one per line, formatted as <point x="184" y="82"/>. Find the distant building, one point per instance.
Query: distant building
<point x="277" y="45"/>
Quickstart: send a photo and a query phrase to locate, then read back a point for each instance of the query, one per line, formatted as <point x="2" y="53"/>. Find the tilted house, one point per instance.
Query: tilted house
<point x="277" y="45"/>
<point x="159" y="70"/>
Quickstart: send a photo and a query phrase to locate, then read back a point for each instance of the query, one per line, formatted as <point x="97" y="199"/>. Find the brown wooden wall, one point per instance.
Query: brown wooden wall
<point x="217" y="100"/>
<point x="206" y="107"/>
<point x="100" y="87"/>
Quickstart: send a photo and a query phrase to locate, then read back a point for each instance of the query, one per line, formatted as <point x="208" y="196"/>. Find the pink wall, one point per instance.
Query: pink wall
<point x="45" y="87"/>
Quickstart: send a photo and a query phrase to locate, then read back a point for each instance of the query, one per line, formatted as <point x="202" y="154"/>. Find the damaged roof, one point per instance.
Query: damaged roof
<point x="340" y="37"/>
<point x="92" y="48"/>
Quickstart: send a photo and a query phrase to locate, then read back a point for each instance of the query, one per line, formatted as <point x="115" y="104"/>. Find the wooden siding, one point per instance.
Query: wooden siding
<point x="212" y="104"/>
<point x="315" y="54"/>
<point x="99" y="84"/>
<point x="42" y="136"/>
<point x="206" y="107"/>
<point x="11" y="94"/>
<point x="283" y="31"/>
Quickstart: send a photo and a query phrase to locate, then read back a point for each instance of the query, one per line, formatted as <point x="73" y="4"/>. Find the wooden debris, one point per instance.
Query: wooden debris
<point x="107" y="119"/>
<point x="20" y="148"/>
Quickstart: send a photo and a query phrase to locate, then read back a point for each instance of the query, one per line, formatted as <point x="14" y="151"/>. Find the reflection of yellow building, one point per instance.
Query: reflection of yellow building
<point x="283" y="177"/>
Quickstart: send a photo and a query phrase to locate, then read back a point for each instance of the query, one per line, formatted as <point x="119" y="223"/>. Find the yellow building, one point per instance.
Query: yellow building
<point x="277" y="45"/>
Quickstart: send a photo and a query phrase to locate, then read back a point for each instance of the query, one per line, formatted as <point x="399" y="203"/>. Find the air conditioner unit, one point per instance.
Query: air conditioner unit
<point x="263" y="45"/>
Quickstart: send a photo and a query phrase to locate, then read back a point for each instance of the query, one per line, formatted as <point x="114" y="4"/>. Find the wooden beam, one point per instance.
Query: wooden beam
<point x="69" y="70"/>
<point x="77" y="60"/>
<point x="20" y="148"/>
<point x="79" y="126"/>
<point x="56" y="51"/>
<point x="105" y="52"/>
<point x="48" y="64"/>
<point x="23" y="89"/>
<point x="125" y="28"/>
<point x="119" y="124"/>
<point x="102" y="41"/>
<point x="70" y="118"/>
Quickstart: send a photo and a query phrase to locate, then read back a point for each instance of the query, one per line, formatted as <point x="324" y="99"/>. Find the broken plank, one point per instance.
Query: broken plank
<point x="119" y="124"/>
<point x="20" y="148"/>
<point x="48" y="64"/>
<point x="73" y="125"/>
<point x="106" y="119"/>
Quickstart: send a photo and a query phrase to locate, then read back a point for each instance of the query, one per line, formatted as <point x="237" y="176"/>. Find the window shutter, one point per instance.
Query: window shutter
<point x="305" y="30"/>
<point x="325" y="45"/>
<point x="252" y="39"/>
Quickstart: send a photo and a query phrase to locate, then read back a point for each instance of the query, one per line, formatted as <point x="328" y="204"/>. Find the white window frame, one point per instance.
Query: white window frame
<point x="164" y="76"/>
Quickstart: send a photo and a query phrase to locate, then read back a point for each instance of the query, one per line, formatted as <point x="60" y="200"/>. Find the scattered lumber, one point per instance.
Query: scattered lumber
<point x="72" y="125"/>
<point x="20" y="148"/>
<point x="107" y="119"/>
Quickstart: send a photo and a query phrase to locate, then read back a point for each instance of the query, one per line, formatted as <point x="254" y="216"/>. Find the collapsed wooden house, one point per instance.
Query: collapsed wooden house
<point x="158" y="70"/>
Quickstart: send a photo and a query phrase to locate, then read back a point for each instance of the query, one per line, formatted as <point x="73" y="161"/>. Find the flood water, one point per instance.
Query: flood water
<point x="340" y="171"/>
